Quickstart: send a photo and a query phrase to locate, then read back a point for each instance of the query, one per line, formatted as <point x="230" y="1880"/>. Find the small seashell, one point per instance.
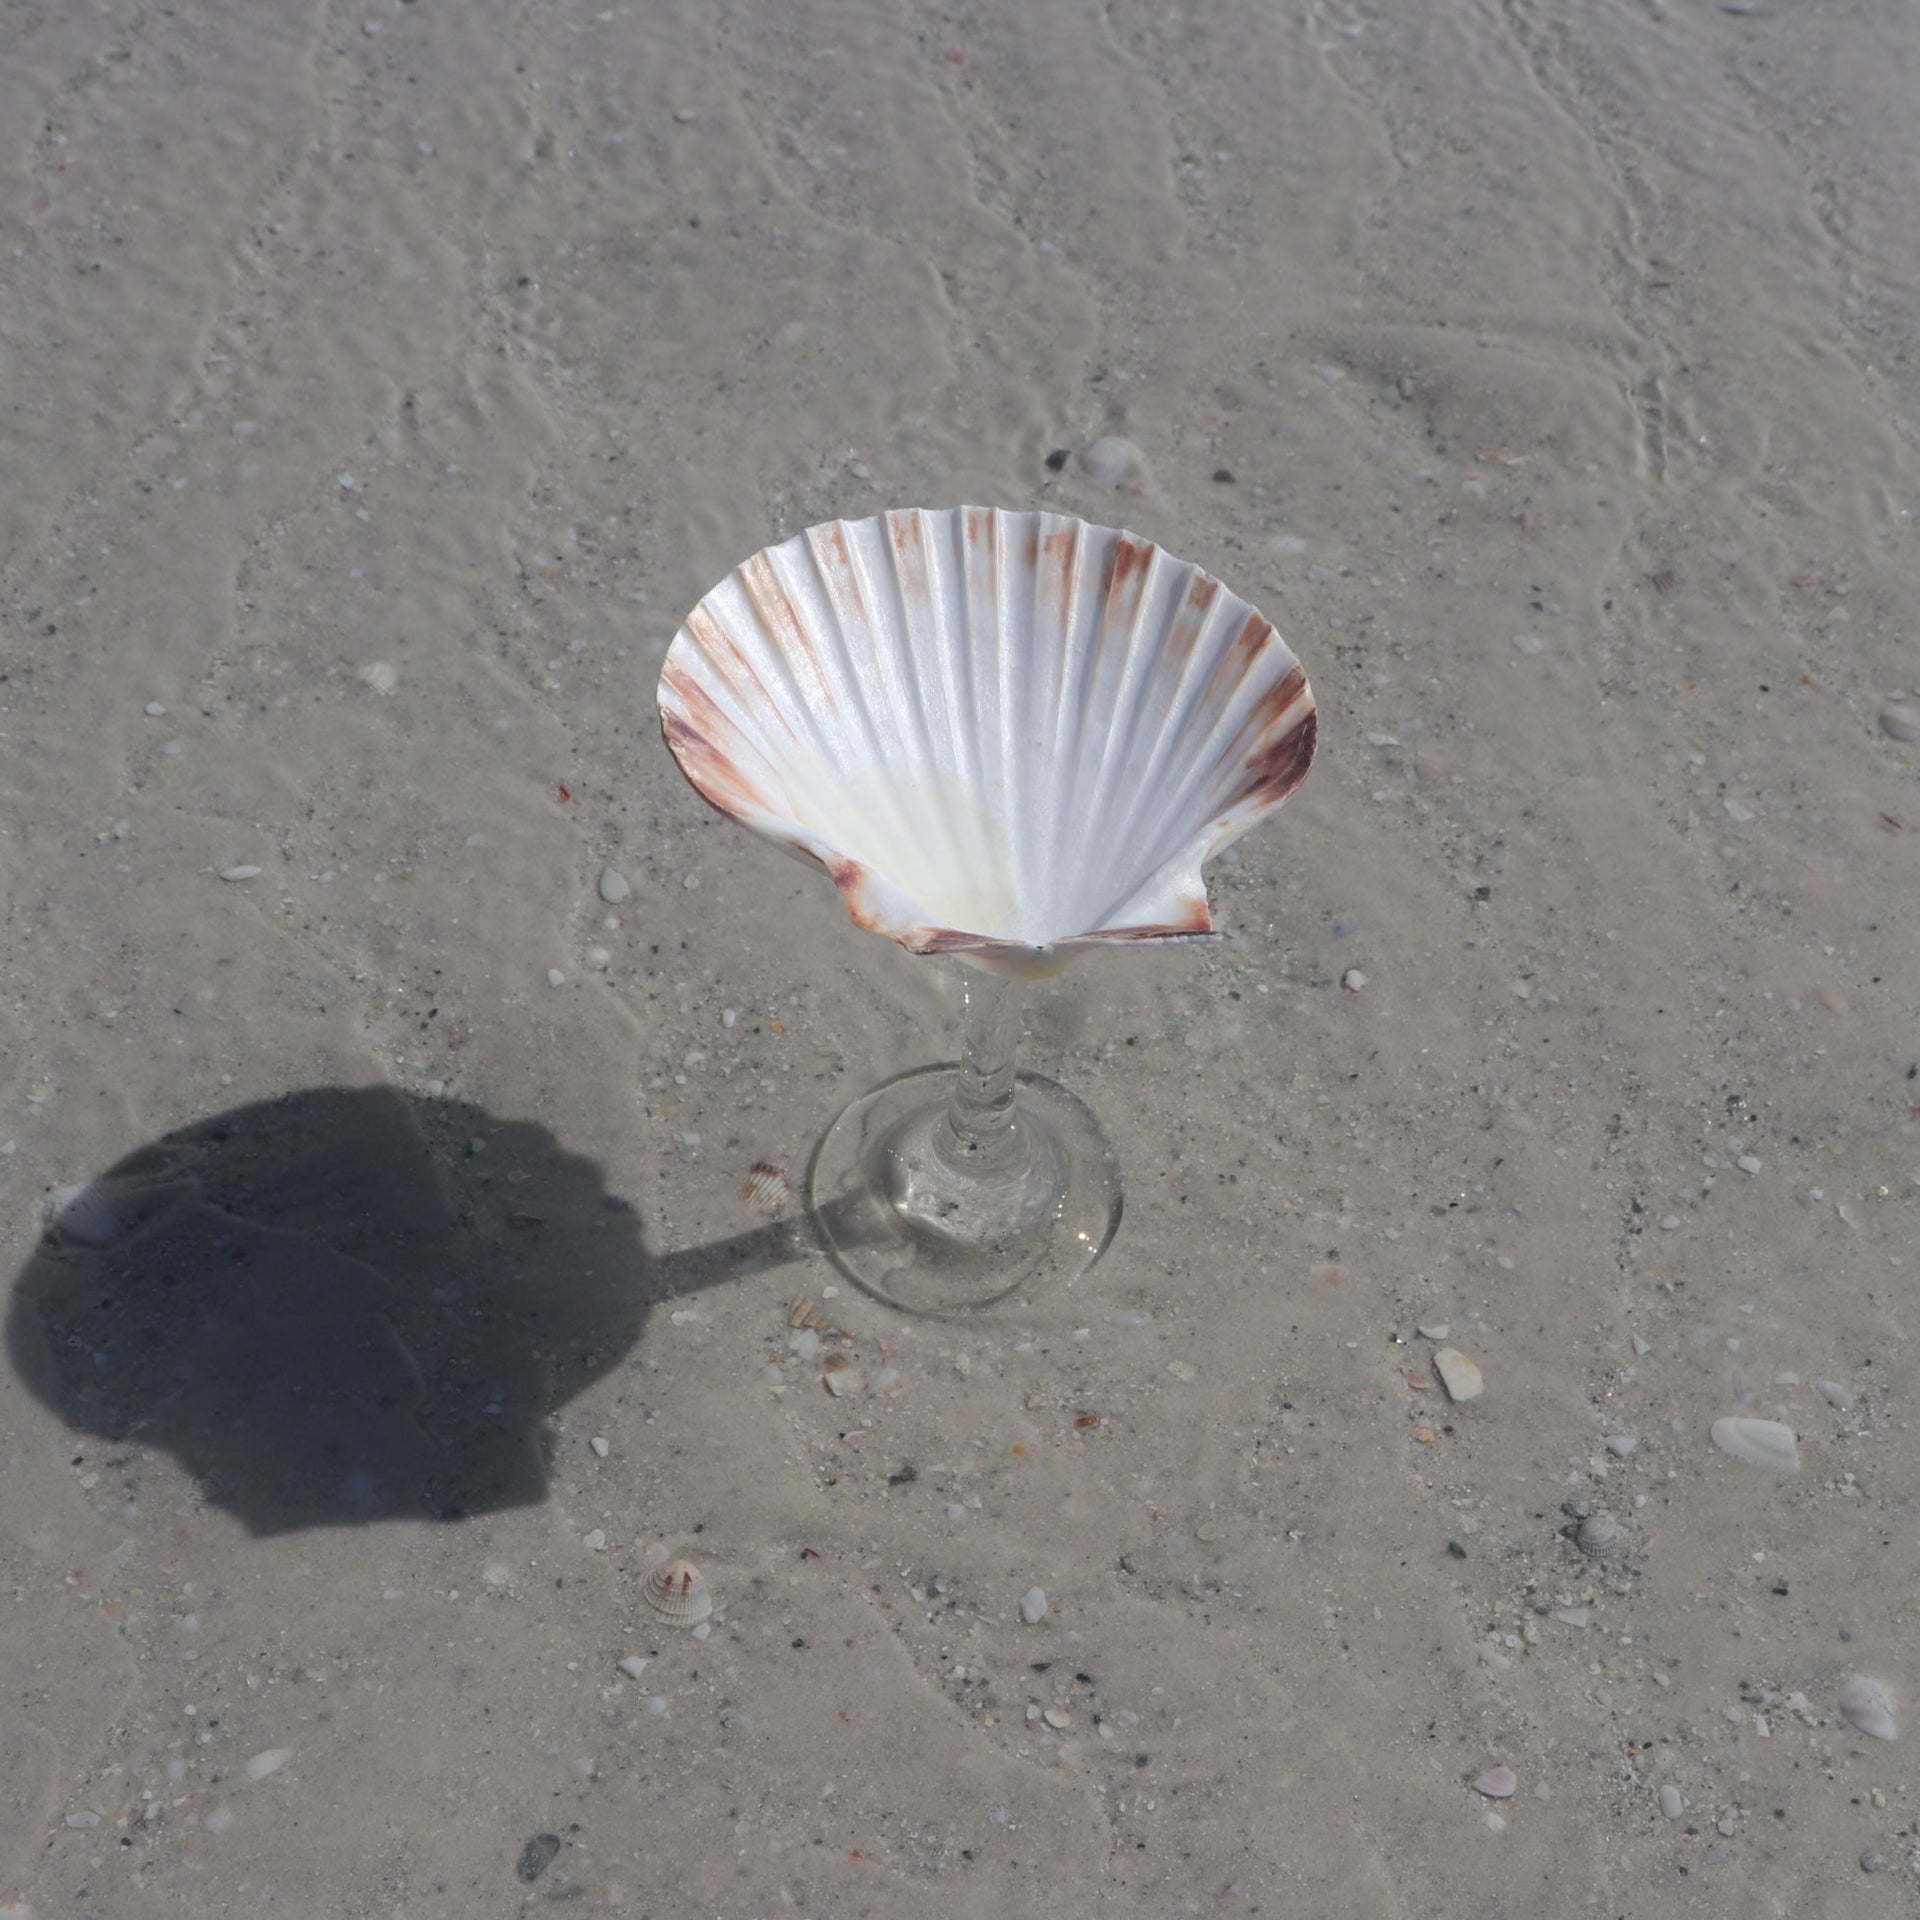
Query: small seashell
<point x="1761" y="1443"/>
<point x="1498" y="1783"/>
<point x="767" y="1187"/>
<point x="845" y="1383"/>
<point x="677" y="1594"/>
<point x="1458" y="1374"/>
<point x="1902" y="722"/>
<point x="1867" y="1704"/>
<point x="801" y="1312"/>
<point x="1597" y="1535"/>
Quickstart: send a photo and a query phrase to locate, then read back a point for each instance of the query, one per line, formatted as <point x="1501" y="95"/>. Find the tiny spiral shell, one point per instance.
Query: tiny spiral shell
<point x="677" y="1594"/>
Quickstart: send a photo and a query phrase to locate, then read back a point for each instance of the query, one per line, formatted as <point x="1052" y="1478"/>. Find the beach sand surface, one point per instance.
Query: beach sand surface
<point x="381" y="384"/>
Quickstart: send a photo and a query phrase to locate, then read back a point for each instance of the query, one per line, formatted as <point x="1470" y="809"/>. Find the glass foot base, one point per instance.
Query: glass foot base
<point x="909" y="1220"/>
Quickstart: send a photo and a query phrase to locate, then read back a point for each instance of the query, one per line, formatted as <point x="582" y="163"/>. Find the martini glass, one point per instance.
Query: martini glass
<point x="1007" y="737"/>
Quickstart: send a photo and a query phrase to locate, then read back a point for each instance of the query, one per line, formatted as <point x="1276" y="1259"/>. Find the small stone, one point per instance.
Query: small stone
<point x="599" y="1444"/>
<point x="1459" y="1375"/>
<point x="270" y="1762"/>
<point x="1437" y="1331"/>
<point x="1902" y="722"/>
<point x="1736" y="812"/>
<point x="555" y="978"/>
<point x="1669" y="1222"/>
<point x="1055" y="1718"/>
<point x="1749" y="1163"/>
<point x="381" y="675"/>
<point x="240" y="873"/>
<point x="1033" y="1605"/>
<point x="845" y="1383"/>
<point x="1868" y="1704"/>
<point x="633" y="1665"/>
<point x="537" y="1856"/>
<point x="1353" y="980"/>
<point x="1836" y="1393"/>
<point x="1110" y="460"/>
<point x="598" y="958"/>
<point x="596" y="1541"/>
<point x="1497" y="1783"/>
<point x="1672" y="1803"/>
<point x="1761" y="1443"/>
<point x="154" y="711"/>
<point x="1620" y="1443"/>
<point x="613" y="886"/>
<point x="86" y="1817"/>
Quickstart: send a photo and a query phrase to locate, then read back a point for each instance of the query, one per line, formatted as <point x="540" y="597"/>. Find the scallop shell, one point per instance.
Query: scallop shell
<point x="1597" y="1535"/>
<point x="1009" y="735"/>
<point x="677" y="1594"/>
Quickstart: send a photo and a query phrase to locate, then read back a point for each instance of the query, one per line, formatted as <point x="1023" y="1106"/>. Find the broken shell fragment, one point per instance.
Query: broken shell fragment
<point x="1761" y="1443"/>
<point x="1005" y="735"/>
<point x="1459" y="1375"/>
<point x="677" y="1595"/>
<point x="1868" y="1704"/>
<point x="767" y="1187"/>
<point x="1497" y="1783"/>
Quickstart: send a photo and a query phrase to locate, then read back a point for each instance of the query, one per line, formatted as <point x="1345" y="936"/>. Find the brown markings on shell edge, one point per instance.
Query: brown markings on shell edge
<point x="1279" y="765"/>
<point x="1191" y="615"/>
<point x="694" y="730"/>
<point x="849" y="876"/>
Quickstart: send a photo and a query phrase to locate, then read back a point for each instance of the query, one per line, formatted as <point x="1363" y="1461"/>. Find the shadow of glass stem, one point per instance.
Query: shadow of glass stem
<point x="349" y="1304"/>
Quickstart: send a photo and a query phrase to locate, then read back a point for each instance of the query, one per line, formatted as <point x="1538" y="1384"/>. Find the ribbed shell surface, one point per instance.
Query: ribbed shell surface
<point x="1005" y="733"/>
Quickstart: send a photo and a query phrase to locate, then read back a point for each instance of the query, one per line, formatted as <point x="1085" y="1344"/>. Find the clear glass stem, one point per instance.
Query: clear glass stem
<point x="980" y="1135"/>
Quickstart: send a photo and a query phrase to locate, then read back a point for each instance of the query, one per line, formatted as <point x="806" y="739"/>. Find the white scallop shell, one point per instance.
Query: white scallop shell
<point x="677" y="1594"/>
<point x="1009" y="735"/>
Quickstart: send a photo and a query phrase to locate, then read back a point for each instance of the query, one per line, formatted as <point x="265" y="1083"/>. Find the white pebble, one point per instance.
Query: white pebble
<point x="1669" y="1222"/>
<point x="1497" y="1783"/>
<point x="81" y="1215"/>
<point x="239" y="873"/>
<point x="613" y="886"/>
<point x="555" y="978"/>
<point x="599" y="1444"/>
<point x="1621" y="1443"/>
<point x="1749" y="1163"/>
<point x="1353" y="979"/>
<point x="1528" y="643"/>
<point x="269" y="1762"/>
<point x="1437" y="1331"/>
<point x="1033" y="1605"/>
<point x="1868" y="1704"/>
<point x="1459" y="1375"/>
<point x="1110" y="460"/>
<point x="596" y="1541"/>
<point x="1671" y="1802"/>
<point x="1761" y="1443"/>
<point x="598" y="958"/>
<point x="633" y="1665"/>
<point x="154" y="710"/>
<point x="729" y="1016"/>
<point x="1903" y="723"/>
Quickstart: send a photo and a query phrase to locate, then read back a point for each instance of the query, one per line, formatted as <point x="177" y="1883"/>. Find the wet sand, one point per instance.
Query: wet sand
<point x="381" y="385"/>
